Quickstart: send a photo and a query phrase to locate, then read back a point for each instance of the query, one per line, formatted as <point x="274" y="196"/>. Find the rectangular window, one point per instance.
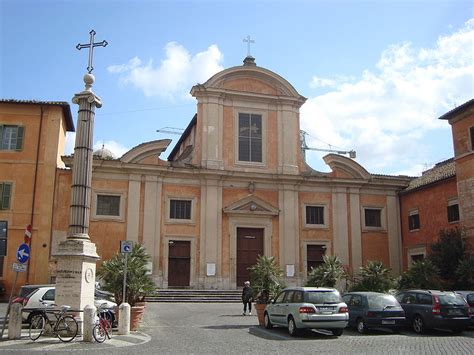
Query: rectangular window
<point x="250" y="137"/>
<point x="453" y="211"/>
<point x="108" y="205"/>
<point x="417" y="257"/>
<point x="11" y="137"/>
<point x="414" y="220"/>
<point x="314" y="214"/>
<point x="180" y="209"/>
<point x="5" y="195"/>
<point x="471" y="131"/>
<point x="373" y="217"/>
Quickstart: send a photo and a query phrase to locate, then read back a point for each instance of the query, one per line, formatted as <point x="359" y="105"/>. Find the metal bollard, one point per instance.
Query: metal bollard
<point x="88" y="323"/>
<point x="14" y="323"/>
<point x="124" y="319"/>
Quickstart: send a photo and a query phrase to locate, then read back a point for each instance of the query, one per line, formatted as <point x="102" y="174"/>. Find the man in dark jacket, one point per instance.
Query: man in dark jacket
<point x="247" y="297"/>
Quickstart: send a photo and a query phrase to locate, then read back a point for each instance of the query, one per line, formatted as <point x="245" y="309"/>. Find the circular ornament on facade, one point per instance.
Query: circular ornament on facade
<point x="89" y="275"/>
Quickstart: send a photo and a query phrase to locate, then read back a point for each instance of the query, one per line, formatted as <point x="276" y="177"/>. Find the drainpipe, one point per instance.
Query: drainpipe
<point x="33" y="203"/>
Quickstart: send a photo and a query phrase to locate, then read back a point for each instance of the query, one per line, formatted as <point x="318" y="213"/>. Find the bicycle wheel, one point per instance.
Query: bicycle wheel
<point x="66" y="328"/>
<point x="37" y="324"/>
<point x="98" y="333"/>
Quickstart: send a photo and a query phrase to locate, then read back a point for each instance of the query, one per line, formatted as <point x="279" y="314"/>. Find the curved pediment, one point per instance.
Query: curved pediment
<point x="251" y="205"/>
<point x="251" y="79"/>
<point x="146" y="153"/>
<point x="344" y="167"/>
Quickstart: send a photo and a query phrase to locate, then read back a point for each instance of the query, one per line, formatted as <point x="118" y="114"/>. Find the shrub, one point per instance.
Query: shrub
<point x="266" y="279"/>
<point x="374" y="277"/>
<point x="422" y="274"/>
<point x="327" y="274"/>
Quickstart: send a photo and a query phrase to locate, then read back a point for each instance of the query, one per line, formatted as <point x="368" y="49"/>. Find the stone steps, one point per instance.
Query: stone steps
<point x="188" y="295"/>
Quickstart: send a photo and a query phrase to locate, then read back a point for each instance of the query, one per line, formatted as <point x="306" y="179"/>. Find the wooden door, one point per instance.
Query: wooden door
<point x="249" y="247"/>
<point x="314" y="255"/>
<point x="179" y="263"/>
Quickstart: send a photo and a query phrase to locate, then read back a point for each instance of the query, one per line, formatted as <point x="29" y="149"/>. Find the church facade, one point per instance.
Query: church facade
<point x="234" y="187"/>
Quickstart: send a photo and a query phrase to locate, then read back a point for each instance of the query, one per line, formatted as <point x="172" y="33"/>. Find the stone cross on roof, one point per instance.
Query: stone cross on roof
<point x="91" y="46"/>
<point x="248" y="40"/>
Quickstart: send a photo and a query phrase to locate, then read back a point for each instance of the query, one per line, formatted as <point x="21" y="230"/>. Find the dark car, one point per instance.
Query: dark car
<point x="374" y="310"/>
<point x="429" y="309"/>
<point x="469" y="297"/>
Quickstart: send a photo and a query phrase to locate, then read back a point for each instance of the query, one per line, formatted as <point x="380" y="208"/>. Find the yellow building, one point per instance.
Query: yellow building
<point x="32" y="137"/>
<point x="234" y="186"/>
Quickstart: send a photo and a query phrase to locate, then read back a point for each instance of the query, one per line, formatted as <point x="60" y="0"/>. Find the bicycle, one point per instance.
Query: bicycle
<point x="64" y="326"/>
<point x="103" y="327"/>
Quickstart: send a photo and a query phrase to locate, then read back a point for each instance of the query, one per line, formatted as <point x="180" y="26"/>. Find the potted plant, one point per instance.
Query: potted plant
<point x="139" y="282"/>
<point x="266" y="280"/>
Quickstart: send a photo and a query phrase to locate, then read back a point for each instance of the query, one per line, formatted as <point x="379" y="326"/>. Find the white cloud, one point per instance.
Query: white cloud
<point x="175" y="74"/>
<point x="385" y="113"/>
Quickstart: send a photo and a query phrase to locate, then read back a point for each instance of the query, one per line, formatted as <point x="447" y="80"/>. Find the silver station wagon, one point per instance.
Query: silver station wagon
<point x="308" y="308"/>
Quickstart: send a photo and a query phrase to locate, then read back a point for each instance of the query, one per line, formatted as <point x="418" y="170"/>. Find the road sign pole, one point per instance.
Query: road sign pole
<point x="124" y="297"/>
<point x="9" y="304"/>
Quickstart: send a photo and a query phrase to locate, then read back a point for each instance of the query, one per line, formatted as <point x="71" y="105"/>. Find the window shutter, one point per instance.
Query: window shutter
<point x="1" y="196"/>
<point x="1" y="136"/>
<point x="6" y="196"/>
<point x="19" y="138"/>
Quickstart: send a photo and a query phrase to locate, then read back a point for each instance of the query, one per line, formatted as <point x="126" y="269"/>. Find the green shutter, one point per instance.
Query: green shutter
<point x="5" y="194"/>
<point x="19" y="137"/>
<point x="1" y="136"/>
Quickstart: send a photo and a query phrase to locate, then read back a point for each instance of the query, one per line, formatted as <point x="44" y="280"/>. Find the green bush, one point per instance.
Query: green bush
<point x="421" y="274"/>
<point x="374" y="277"/>
<point x="266" y="279"/>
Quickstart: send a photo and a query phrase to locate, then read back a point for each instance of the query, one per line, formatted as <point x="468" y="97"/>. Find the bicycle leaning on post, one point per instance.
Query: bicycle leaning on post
<point x="64" y="326"/>
<point x="103" y="327"/>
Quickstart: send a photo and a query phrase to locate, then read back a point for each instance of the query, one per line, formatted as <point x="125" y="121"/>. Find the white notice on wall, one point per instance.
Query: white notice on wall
<point x="211" y="269"/>
<point x="290" y="270"/>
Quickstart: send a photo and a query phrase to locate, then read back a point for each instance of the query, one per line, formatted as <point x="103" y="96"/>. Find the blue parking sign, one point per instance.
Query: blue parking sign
<point x="23" y="253"/>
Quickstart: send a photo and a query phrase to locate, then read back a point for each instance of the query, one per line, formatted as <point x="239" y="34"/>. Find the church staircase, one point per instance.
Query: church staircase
<point x="198" y="296"/>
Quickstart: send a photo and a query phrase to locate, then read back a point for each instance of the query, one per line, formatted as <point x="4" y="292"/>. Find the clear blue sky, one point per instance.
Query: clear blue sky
<point x="377" y="74"/>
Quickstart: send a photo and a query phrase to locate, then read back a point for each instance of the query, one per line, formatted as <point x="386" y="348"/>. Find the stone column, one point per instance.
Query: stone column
<point x="77" y="255"/>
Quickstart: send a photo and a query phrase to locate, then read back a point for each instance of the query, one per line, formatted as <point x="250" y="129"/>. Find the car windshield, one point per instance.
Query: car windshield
<point x="451" y="299"/>
<point x="382" y="301"/>
<point x="319" y="297"/>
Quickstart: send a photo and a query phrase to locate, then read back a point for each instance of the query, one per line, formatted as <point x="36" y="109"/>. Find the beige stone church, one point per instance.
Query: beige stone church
<point x="235" y="186"/>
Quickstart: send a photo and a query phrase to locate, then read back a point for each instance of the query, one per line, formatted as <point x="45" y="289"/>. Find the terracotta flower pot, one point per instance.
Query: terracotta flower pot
<point x="136" y="315"/>
<point x="260" y="308"/>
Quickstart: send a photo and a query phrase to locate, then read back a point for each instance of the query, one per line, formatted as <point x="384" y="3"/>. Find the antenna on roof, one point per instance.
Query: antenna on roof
<point x="304" y="148"/>
<point x="171" y="130"/>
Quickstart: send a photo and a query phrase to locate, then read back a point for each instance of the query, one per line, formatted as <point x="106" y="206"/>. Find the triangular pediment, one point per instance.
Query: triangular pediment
<point x="252" y="205"/>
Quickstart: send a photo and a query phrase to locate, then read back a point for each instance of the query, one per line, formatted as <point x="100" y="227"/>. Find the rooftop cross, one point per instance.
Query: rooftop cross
<point x="248" y="40"/>
<point x="91" y="46"/>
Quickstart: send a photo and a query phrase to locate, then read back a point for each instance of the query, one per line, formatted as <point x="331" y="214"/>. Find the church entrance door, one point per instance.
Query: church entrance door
<point x="179" y="263"/>
<point x="249" y="247"/>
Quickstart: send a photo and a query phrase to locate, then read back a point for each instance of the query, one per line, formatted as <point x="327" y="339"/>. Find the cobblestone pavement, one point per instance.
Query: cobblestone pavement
<point x="186" y="328"/>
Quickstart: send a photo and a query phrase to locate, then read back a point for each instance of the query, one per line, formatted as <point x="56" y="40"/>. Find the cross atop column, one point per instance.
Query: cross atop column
<point x="91" y="46"/>
<point x="248" y="40"/>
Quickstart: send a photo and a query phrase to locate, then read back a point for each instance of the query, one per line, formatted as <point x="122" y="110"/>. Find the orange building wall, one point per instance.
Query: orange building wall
<point x="431" y="202"/>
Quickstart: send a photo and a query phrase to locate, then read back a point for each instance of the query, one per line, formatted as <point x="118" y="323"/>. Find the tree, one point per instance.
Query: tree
<point x="266" y="279"/>
<point x="327" y="274"/>
<point x="465" y="274"/>
<point x="374" y="277"/>
<point x="447" y="253"/>
<point x="422" y="274"/>
<point x="139" y="282"/>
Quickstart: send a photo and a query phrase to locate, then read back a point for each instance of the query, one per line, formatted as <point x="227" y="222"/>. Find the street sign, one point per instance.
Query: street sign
<point x="28" y="233"/>
<point x="19" y="267"/>
<point x="23" y="253"/>
<point x="126" y="246"/>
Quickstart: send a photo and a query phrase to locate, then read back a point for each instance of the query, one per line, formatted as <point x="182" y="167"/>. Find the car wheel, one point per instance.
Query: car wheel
<point x="337" y="332"/>
<point x="267" y="322"/>
<point x="418" y="325"/>
<point x="292" y="328"/>
<point x="361" y="327"/>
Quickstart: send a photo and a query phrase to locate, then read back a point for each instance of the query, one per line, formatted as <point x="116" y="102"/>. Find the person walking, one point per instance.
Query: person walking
<point x="247" y="297"/>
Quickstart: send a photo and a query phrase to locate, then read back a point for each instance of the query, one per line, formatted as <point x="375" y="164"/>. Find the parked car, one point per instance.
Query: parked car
<point x="308" y="308"/>
<point x="469" y="297"/>
<point x="43" y="297"/>
<point x="25" y="291"/>
<point x="374" y="310"/>
<point x="428" y="309"/>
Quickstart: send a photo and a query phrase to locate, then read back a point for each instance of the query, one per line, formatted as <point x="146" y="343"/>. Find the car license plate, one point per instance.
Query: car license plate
<point x="454" y="312"/>
<point x="388" y="322"/>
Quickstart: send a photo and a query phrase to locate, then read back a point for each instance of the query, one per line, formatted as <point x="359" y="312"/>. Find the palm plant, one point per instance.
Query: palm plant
<point x="266" y="279"/>
<point x="327" y="274"/>
<point x="374" y="277"/>
<point x="139" y="282"/>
